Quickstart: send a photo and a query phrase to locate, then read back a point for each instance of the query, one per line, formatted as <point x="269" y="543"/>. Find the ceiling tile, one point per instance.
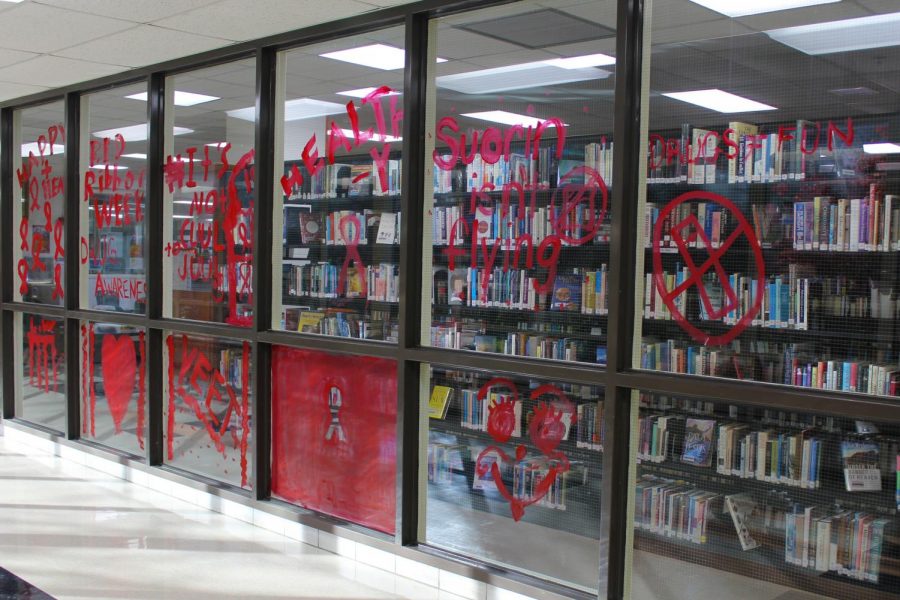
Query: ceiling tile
<point x="231" y="19"/>
<point x="143" y="45"/>
<point x="43" y="29"/>
<point x="54" y="71"/>
<point x="15" y="90"/>
<point x="131" y="10"/>
<point x="11" y="57"/>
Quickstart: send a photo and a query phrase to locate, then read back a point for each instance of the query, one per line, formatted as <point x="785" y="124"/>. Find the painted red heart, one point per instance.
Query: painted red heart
<point x="118" y="360"/>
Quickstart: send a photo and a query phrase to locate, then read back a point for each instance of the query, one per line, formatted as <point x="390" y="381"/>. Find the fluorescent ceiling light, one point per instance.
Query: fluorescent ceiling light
<point x="294" y="110"/>
<point x="32" y="147"/>
<point x="881" y="148"/>
<point x="876" y="31"/>
<point x="110" y="167"/>
<point x="135" y="133"/>
<point x="363" y="92"/>
<point x="516" y="77"/>
<point x="376" y="137"/>
<point x="377" y="56"/>
<point x="507" y="118"/>
<point x="12" y="1"/>
<point x="719" y="101"/>
<point x="181" y="98"/>
<point x="581" y="62"/>
<point x="136" y="155"/>
<point x="742" y="8"/>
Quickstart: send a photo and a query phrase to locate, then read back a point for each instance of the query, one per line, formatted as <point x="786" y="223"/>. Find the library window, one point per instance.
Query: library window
<point x="334" y="435"/>
<point x="112" y="208"/>
<point x="340" y="123"/>
<point x="209" y="194"/>
<point x="517" y="182"/>
<point x="41" y="370"/>
<point x="114" y="386"/>
<point x="207" y="407"/>
<point x="39" y="208"/>
<point x="514" y="471"/>
<point x="770" y="225"/>
<point x="787" y="499"/>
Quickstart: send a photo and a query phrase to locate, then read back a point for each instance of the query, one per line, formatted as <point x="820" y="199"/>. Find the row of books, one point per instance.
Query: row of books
<point x="590" y="425"/>
<point x="514" y="228"/>
<point x="583" y="290"/>
<point x="341" y="180"/>
<point x="829" y="539"/>
<point x="784" y="304"/>
<point x="516" y="168"/>
<point x="322" y="280"/>
<point x="441" y="459"/>
<point x="474" y="413"/>
<point x="529" y="475"/>
<point x="231" y="366"/>
<point x="870" y="224"/>
<point x="373" y="325"/>
<point x="680" y="225"/>
<point x="599" y="158"/>
<point x="744" y="154"/>
<point x="673" y="508"/>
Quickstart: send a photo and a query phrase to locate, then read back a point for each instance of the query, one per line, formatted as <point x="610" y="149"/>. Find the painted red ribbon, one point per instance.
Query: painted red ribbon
<point x="352" y="236"/>
<point x="22" y="269"/>
<point x="58" y="231"/>
<point x="57" y="283"/>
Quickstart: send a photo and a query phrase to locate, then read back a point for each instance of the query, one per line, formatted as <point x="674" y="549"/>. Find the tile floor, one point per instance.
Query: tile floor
<point x="77" y="533"/>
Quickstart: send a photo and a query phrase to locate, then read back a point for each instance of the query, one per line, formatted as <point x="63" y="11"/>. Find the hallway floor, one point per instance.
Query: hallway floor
<point x="77" y="533"/>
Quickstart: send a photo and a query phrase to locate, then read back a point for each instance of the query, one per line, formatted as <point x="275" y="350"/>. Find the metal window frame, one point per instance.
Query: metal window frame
<point x="619" y="378"/>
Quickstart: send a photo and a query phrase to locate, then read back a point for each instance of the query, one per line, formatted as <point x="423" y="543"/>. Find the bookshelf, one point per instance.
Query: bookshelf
<point x="520" y="250"/>
<point x="785" y="468"/>
<point x="341" y="250"/>
<point x="822" y="224"/>
<point x="461" y="440"/>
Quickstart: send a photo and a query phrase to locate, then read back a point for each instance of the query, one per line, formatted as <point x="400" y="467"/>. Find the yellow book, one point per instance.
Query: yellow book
<point x="439" y="401"/>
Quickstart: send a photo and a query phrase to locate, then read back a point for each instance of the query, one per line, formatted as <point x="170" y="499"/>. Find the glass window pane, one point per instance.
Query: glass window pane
<point x="334" y="436"/>
<point x="39" y="206"/>
<point x="770" y="233"/>
<point x="744" y="502"/>
<point x="208" y="407"/>
<point x="208" y="182"/>
<point x="518" y="181"/>
<point x="114" y="386"/>
<point x="338" y="205"/>
<point x="113" y="179"/>
<point x="42" y="377"/>
<point x="513" y="470"/>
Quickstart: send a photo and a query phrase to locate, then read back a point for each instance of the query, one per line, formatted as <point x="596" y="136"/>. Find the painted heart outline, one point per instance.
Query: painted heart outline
<point x="546" y="431"/>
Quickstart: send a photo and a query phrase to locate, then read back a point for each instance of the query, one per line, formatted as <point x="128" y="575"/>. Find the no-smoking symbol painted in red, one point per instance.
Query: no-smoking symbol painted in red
<point x="688" y="230"/>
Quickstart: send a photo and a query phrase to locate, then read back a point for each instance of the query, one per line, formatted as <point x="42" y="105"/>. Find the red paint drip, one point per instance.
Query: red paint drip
<point x="142" y="373"/>
<point x="93" y="390"/>
<point x="85" y="407"/>
<point x="245" y="410"/>
<point x="170" y="442"/>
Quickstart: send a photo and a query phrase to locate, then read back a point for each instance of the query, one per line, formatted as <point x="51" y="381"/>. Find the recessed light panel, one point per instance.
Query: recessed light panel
<point x="719" y="101"/>
<point x="881" y="148"/>
<point x="180" y="98"/>
<point x="877" y="31"/>
<point x="507" y="118"/>
<point x="516" y="77"/>
<point x="376" y="137"/>
<point x="581" y="62"/>
<point x="135" y="133"/>
<point x="294" y="110"/>
<point x="377" y="56"/>
<point x="363" y="92"/>
<point x="743" y="8"/>
<point x="32" y="147"/>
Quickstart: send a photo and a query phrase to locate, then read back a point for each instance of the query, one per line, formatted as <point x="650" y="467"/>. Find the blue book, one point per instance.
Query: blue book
<point x="845" y="378"/>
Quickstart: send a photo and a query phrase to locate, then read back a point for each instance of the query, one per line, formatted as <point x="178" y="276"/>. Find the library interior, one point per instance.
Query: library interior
<point x="573" y="298"/>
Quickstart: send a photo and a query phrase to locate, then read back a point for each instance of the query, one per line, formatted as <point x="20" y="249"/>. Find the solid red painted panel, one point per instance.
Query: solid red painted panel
<point x="334" y="445"/>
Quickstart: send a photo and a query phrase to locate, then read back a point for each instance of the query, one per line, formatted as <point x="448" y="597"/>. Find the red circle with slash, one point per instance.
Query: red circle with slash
<point x="711" y="263"/>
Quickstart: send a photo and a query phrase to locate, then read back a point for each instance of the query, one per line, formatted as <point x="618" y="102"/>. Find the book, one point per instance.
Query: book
<point x="566" y="293"/>
<point x="310" y="227"/>
<point x="387" y="229"/>
<point x="439" y="402"/>
<point x="741" y="507"/>
<point x="698" y="442"/>
<point x="309" y="321"/>
<point x="458" y="286"/>
<point x="861" y="471"/>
